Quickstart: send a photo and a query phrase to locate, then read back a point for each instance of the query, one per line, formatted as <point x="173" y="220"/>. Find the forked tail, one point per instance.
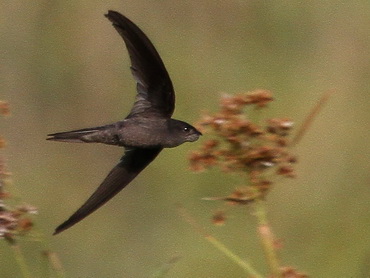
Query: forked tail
<point x="74" y="136"/>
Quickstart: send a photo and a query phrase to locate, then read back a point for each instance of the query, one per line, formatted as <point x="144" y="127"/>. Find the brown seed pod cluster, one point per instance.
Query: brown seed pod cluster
<point x="238" y="144"/>
<point x="13" y="220"/>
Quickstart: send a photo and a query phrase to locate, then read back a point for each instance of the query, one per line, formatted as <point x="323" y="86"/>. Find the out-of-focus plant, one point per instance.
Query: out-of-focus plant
<point x="257" y="151"/>
<point x="260" y="152"/>
<point x="16" y="220"/>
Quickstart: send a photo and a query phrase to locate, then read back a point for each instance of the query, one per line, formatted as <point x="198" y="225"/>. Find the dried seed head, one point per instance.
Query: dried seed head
<point x="4" y="108"/>
<point x="279" y="126"/>
<point x="219" y="218"/>
<point x="290" y="272"/>
<point x="243" y="146"/>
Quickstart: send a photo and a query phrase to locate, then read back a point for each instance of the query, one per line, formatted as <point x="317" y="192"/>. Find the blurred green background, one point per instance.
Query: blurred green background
<point x="64" y="67"/>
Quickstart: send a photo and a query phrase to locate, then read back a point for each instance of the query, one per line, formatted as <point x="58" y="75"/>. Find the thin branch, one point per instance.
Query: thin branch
<point x="18" y="255"/>
<point x="311" y="116"/>
<point x="267" y="239"/>
<point x="218" y="244"/>
<point x="55" y="263"/>
<point x="165" y="268"/>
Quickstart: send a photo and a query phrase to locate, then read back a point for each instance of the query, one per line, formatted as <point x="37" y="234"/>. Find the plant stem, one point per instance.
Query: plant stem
<point x="311" y="116"/>
<point x="55" y="263"/>
<point x="20" y="259"/>
<point x="267" y="238"/>
<point x="218" y="244"/>
<point x="165" y="268"/>
<point x="246" y="266"/>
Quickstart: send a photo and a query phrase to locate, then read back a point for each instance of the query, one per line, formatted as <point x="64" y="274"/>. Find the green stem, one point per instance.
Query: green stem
<point x="267" y="239"/>
<point x="165" y="268"/>
<point x="219" y="245"/>
<point x="20" y="259"/>
<point x="235" y="258"/>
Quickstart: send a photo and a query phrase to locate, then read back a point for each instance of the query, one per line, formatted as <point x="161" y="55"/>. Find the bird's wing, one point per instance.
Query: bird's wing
<point x="156" y="95"/>
<point x="131" y="164"/>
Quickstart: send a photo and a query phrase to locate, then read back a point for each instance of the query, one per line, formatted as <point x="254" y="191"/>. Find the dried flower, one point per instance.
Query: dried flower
<point x="4" y="108"/>
<point x="13" y="221"/>
<point x="290" y="272"/>
<point x="219" y="218"/>
<point x="243" y="146"/>
<point x="258" y="151"/>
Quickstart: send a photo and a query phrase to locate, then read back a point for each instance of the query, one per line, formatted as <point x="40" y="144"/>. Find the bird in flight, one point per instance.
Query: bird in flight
<point x="146" y="130"/>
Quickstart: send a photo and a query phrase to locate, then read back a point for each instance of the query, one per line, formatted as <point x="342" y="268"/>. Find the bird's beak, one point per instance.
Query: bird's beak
<point x="198" y="132"/>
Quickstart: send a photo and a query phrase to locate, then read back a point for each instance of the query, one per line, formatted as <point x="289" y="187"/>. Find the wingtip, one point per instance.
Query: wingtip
<point x="61" y="228"/>
<point x="57" y="231"/>
<point x="111" y="13"/>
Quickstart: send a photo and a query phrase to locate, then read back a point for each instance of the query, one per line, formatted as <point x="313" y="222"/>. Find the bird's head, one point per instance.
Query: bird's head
<point x="182" y="132"/>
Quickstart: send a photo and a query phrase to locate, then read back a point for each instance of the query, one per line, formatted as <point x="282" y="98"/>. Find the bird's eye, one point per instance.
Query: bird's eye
<point x="186" y="129"/>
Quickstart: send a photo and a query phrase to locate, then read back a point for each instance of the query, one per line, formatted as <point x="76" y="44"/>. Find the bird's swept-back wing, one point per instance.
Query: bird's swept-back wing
<point x="131" y="164"/>
<point x="155" y="91"/>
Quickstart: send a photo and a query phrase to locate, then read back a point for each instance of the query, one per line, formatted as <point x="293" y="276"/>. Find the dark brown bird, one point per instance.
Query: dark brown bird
<point x="144" y="132"/>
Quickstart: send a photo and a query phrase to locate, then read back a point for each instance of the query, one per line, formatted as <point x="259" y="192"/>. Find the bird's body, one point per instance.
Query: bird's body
<point x="144" y="132"/>
<point x="136" y="132"/>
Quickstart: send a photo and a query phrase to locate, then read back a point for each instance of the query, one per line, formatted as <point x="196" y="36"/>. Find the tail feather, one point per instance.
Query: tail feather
<point x="74" y="136"/>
